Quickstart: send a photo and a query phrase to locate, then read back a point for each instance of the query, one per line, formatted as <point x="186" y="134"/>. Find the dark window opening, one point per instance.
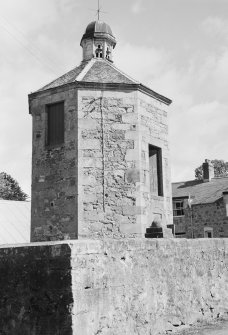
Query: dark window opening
<point x="55" y="124"/>
<point x="99" y="51"/>
<point x="108" y="52"/>
<point x="178" y="207"/>
<point x="155" y="170"/>
<point x="208" y="232"/>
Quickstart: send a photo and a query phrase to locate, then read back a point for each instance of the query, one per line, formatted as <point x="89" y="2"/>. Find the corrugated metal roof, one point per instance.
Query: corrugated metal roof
<point x="14" y="221"/>
<point x="201" y="192"/>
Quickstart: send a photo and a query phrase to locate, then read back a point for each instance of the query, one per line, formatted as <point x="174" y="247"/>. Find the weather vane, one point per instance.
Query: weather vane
<point x="99" y="11"/>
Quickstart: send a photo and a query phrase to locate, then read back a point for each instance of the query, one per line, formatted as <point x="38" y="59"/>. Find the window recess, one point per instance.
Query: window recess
<point x="178" y="207"/>
<point x="55" y="124"/>
<point x="155" y="170"/>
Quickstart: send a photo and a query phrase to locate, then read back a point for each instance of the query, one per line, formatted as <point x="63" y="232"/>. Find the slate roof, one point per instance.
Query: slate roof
<point x="100" y="71"/>
<point x="105" y="72"/>
<point x="14" y="221"/>
<point x="94" y="70"/>
<point x="67" y="78"/>
<point x="201" y="192"/>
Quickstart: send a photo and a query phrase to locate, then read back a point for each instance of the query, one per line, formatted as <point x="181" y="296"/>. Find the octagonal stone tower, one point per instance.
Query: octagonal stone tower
<point x="100" y="164"/>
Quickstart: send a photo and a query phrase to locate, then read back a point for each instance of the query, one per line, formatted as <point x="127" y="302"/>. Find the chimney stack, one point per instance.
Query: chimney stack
<point x="208" y="170"/>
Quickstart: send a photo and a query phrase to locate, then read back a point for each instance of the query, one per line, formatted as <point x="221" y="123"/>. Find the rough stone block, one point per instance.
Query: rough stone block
<point x="131" y="229"/>
<point x="131" y="155"/>
<point x="131" y="118"/>
<point x="90" y="144"/>
<point x="132" y="210"/>
<point x="132" y="175"/>
<point x="132" y="135"/>
<point x="88" y="124"/>
<point x="129" y="286"/>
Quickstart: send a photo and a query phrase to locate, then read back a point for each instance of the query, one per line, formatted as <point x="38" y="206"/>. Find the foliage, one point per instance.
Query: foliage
<point x="220" y="168"/>
<point x="10" y="189"/>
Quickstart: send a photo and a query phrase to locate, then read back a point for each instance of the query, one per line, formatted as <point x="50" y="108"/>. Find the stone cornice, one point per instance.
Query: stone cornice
<point x="104" y="86"/>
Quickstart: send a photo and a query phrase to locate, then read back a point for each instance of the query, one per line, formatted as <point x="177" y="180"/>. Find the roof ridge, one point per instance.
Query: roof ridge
<point x="63" y="76"/>
<point x="123" y="73"/>
<point x="85" y="70"/>
<point x="183" y="181"/>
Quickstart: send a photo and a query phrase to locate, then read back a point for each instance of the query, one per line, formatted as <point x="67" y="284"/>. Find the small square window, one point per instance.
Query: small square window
<point x="208" y="232"/>
<point x="55" y="124"/>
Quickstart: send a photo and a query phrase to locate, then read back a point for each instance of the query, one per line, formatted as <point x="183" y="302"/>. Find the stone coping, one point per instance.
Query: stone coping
<point x="97" y="246"/>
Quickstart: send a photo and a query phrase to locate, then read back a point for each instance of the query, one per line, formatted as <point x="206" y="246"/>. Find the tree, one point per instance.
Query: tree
<point x="220" y="168"/>
<point x="10" y="189"/>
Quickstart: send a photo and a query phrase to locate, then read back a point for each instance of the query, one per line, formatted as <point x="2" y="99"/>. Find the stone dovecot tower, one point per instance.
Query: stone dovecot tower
<point x="100" y="164"/>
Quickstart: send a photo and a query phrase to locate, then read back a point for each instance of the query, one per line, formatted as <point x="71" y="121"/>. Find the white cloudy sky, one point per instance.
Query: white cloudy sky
<point x="177" y="47"/>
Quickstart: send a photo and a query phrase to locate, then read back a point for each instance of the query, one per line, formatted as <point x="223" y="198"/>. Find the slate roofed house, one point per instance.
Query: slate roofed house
<point x="200" y="207"/>
<point x="14" y="221"/>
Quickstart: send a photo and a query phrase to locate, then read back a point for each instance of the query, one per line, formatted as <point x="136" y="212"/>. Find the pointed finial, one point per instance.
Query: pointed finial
<point x="98" y="10"/>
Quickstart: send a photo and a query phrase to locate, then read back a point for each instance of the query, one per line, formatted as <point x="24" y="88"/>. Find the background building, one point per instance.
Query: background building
<point x="200" y="207"/>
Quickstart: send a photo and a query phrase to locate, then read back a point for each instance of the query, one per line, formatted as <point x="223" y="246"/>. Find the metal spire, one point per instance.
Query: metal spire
<point x="98" y="10"/>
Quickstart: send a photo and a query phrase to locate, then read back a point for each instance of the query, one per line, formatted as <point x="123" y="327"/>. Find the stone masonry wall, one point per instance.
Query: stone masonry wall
<point x="96" y="184"/>
<point x="148" y="287"/>
<point x="115" y="130"/>
<point x="112" y="287"/>
<point x="205" y="215"/>
<point x="208" y="215"/>
<point x="108" y="158"/>
<point x="54" y="171"/>
<point x="107" y="178"/>
<point x="153" y="118"/>
<point x="35" y="290"/>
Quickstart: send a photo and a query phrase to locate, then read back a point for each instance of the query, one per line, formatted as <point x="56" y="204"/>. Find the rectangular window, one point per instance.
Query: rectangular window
<point x="55" y="124"/>
<point x="208" y="232"/>
<point x="155" y="168"/>
<point x="178" y="207"/>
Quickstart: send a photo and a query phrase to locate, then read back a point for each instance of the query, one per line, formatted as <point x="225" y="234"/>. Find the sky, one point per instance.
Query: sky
<point x="179" y="48"/>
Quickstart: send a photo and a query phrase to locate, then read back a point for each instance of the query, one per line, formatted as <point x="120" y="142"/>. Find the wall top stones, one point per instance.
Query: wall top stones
<point x="84" y="247"/>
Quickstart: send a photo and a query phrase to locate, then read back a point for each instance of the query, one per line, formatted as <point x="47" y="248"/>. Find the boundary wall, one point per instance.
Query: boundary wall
<point x="110" y="287"/>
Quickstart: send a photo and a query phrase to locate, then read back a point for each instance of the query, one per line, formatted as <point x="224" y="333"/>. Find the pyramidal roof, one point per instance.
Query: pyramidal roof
<point x="100" y="71"/>
<point x="94" y="70"/>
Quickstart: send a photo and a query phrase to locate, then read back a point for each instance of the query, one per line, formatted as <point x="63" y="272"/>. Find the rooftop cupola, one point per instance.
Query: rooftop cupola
<point x="98" y="41"/>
